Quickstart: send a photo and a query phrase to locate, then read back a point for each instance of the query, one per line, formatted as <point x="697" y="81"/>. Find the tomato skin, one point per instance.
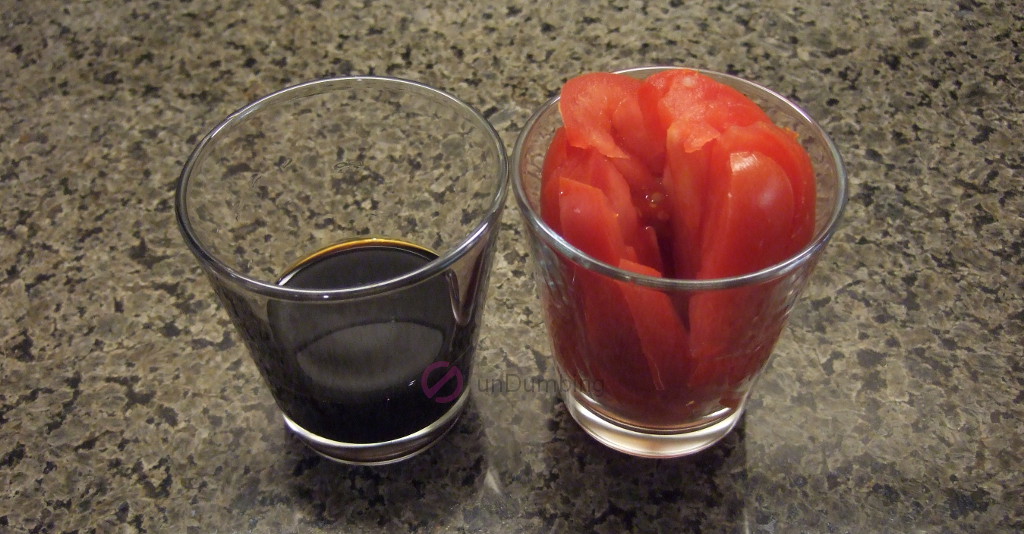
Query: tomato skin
<point x="751" y="218"/>
<point x="750" y="215"/>
<point x="784" y="148"/>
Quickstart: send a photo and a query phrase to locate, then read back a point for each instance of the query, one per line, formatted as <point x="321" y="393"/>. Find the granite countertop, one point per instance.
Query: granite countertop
<point x="128" y="403"/>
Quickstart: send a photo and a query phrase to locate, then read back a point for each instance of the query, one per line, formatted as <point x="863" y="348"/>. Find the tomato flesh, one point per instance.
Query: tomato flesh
<point x="700" y="106"/>
<point x="589" y="222"/>
<point x="588" y="103"/>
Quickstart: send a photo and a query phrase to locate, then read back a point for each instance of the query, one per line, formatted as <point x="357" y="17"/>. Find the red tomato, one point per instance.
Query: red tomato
<point x="638" y="135"/>
<point x="692" y="110"/>
<point x="588" y="103"/>
<point x="649" y="249"/>
<point x="749" y="228"/>
<point x="663" y="338"/>
<point x="642" y="181"/>
<point x="704" y="106"/>
<point x="600" y="173"/>
<point x="561" y="161"/>
<point x="560" y="156"/>
<point x="648" y="193"/>
<point x="732" y="332"/>
<point x="549" y="210"/>
<point x="603" y="175"/>
<point x="686" y="182"/>
<point x="589" y="222"/>
<point x="613" y="348"/>
<point x="750" y="215"/>
<point x="782" y="146"/>
<point x="683" y="176"/>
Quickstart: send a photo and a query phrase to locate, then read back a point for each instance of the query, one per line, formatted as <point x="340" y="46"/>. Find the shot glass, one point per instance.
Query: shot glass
<point x="594" y="310"/>
<point x="347" y="226"/>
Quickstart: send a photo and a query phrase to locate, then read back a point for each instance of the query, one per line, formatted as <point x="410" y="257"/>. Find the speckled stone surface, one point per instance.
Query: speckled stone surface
<point x="128" y="404"/>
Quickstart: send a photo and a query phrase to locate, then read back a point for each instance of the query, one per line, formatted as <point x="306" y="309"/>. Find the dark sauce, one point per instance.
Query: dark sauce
<point x="351" y="371"/>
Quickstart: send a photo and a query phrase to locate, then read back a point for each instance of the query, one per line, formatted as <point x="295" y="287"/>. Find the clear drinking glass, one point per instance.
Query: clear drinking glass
<point x="612" y="395"/>
<point x="347" y="226"/>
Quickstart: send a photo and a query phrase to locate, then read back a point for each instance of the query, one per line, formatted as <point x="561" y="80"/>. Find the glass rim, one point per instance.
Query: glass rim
<point x="211" y="262"/>
<point x="537" y="225"/>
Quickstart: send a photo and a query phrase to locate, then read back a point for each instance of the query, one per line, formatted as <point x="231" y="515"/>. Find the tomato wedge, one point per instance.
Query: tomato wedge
<point x="638" y="135"/>
<point x="686" y="182"/>
<point x="749" y="229"/>
<point x="560" y="160"/>
<point x="613" y="347"/>
<point x="782" y="146"/>
<point x="589" y="222"/>
<point x="732" y="333"/>
<point x="663" y="338"/>
<point x="702" y="106"/>
<point x="588" y="103"/>
<point x="692" y="110"/>
<point x="604" y="175"/>
<point x="750" y="216"/>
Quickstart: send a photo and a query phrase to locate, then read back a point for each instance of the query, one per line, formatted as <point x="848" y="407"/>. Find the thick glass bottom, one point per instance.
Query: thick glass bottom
<point x="653" y="444"/>
<point x="382" y="453"/>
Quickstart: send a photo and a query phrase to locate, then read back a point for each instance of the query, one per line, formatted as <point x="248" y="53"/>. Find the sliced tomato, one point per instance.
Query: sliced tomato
<point x="549" y="210"/>
<point x="692" y="110"/>
<point x="750" y="216"/>
<point x="560" y="157"/>
<point x="649" y="249"/>
<point x="732" y="335"/>
<point x="595" y="341"/>
<point x="613" y="350"/>
<point x="641" y="181"/>
<point x="588" y="103"/>
<point x="648" y="192"/>
<point x="663" y="338"/>
<point x="682" y="176"/>
<point x="784" y="147"/>
<point x="704" y="107"/>
<point x="602" y="174"/>
<point x="686" y="183"/>
<point x="589" y="222"/>
<point x="561" y="160"/>
<point x="750" y="221"/>
<point x="637" y="135"/>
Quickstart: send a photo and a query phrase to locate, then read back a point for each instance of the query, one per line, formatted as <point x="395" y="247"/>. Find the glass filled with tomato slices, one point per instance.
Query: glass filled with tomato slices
<point x="674" y="216"/>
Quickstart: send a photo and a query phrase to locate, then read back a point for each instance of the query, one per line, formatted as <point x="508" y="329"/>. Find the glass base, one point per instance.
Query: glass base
<point x="385" y="452"/>
<point x="660" y="444"/>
